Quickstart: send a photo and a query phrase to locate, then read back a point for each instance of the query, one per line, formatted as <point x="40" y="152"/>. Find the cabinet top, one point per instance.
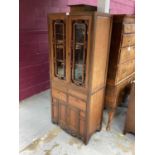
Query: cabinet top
<point x="84" y="13"/>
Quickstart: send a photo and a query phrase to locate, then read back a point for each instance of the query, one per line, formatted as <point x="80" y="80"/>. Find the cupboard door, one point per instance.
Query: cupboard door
<point x="55" y="110"/>
<point x="79" y="39"/>
<point x="73" y="120"/>
<point x="57" y="35"/>
<point x="62" y="115"/>
<point x="82" y="127"/>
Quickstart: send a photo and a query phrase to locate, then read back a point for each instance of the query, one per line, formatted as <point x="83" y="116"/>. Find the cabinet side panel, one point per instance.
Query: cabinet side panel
<point x="101" y="51"/>
<point x="96" y="109"/>
<point x="114" y="48"/>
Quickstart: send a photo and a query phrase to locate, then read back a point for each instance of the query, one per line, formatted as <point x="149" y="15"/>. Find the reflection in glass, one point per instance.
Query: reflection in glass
<point x="80" y="30"/>
<point x="78" y="73"/>
<point x="79" y="55"/>
<point x="60" y="69"/>
<point x="79" y="36"/>
<point x="59" y="53"/>
<point x="59" y="30"/>
<point x="59" y="48"/>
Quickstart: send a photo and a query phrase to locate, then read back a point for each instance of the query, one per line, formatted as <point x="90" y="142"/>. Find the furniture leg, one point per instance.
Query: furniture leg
<point x="112" y="108"/>
<point x="111" y="114"/>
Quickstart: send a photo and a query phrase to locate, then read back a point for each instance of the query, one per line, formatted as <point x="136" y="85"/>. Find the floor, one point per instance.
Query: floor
<point x="38" y="136"/>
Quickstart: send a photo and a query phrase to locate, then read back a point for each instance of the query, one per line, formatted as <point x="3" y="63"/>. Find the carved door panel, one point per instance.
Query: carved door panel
<point x="63" y="114"/>
<point x="73" y="120"/>
<point x="55" y="110"/>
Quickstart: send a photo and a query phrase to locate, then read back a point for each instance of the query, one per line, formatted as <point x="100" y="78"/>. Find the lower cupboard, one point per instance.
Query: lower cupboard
<point x="68" y="117"/>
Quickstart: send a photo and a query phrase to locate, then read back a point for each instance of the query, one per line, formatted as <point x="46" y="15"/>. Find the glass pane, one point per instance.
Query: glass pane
<point x="80" y="30"/>
<point x="59" y="31"/>
<point x="78" y="73"/>
<point x="60" y="69"/>
<point x="79" y="36"/>
<point x="59" y="52"/>
<point x="79" y="54"/>
<point x="59" y="48"/>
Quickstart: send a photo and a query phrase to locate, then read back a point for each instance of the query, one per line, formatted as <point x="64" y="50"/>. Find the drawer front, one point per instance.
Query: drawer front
<point x="125" y="70"/>
<point x="129" y="20"/>
<point x="128" y="40"/>
<point x="77" y="94"/>
<point x="59" y="95"/>
<point x="77" y="103"/>
<point x="127" y="54"/>
<point x="128" y="28"/>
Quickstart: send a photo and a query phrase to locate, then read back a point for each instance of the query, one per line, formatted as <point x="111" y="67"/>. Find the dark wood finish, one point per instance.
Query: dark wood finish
<point x="75" y="8"/>
<point x="77" y="107"/>
<point x="121" y="67"/>
<point x="130" y="118"/>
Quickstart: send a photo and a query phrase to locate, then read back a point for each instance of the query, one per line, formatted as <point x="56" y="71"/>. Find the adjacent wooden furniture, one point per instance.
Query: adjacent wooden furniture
<point x="130" y="118"/>
<point x="121" y="61"/>
<point x="79" y="50"/>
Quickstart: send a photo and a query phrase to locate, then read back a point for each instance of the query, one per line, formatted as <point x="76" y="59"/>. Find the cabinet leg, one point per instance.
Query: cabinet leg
<point x="86" y="139"/>
<point x="113" y="107"/>
<point x="110" y="117"/>
<point x="124" y="132"/>
<point x="99" y="128"/>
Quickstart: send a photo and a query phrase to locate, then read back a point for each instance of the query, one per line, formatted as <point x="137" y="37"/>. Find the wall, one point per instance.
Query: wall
<point x="84" y="2"/>
<point x="122" y="6"/>
<point x="33" y="44"/>
<point x="115" y="7"/>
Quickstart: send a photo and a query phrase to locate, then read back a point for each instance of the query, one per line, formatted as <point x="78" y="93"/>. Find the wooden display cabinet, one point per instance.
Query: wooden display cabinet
<point x="79" y="51"/>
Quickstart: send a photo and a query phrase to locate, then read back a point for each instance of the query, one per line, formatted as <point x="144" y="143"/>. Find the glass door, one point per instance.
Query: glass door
<point x="79" y="51"/>
<point x="59" y="48"/>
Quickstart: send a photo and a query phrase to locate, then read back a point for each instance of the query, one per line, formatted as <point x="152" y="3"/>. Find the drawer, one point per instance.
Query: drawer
<point x="128" y="40"/>
<point x="129" y="20"/>
<point x="126" y="54"/>
<point x="77" y="94"/>
<point x="78" y="103"/>
<point x="59" y="95"/>
<point x="125" y="70"/>
<point x="128" y="28"/>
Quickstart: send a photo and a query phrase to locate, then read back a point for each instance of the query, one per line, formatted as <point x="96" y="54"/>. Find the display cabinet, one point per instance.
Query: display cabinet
<point x="79" y="51"/>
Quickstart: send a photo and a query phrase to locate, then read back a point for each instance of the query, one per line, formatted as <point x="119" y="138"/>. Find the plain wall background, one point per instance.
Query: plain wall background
<point x="33" y="44"/>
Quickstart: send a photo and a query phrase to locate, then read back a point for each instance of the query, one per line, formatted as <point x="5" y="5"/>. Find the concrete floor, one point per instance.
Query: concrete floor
<point x="38" y="136"/>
